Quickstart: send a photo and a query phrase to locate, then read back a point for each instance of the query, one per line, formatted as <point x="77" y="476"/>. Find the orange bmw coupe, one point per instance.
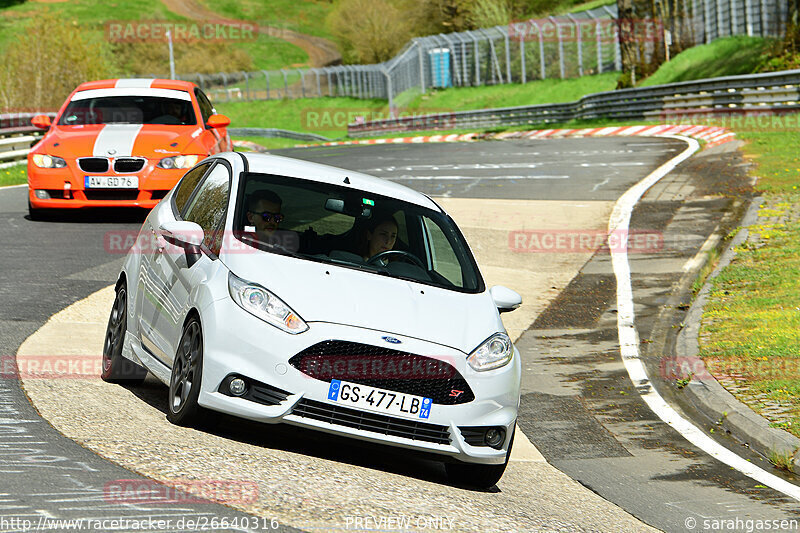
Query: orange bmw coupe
<point x="122" y="142"/>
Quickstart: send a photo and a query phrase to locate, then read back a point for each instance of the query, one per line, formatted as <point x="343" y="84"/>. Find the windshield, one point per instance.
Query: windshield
<point x="128" y="110"/>
<point x="355" y="229"/>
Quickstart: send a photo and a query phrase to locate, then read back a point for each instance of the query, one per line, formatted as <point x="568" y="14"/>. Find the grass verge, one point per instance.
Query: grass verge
<point x="724" y="57"/>
<point x="751" y="323"/>
<point x="16" y="175"/>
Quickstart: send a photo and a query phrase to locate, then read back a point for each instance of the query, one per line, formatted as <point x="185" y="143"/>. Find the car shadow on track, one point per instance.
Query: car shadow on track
<point x="285" y="437"/>
<point x="96" y="215"/>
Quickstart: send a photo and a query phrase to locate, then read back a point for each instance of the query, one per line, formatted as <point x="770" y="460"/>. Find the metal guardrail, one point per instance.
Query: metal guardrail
<point x="274" y="132"/>
<point x="774" y="91"/>
<point x="17" y="135"/>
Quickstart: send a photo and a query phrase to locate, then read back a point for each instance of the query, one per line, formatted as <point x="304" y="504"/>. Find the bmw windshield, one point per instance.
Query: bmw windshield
<point x="354" y="229"/>
<point x="128" y="110"/>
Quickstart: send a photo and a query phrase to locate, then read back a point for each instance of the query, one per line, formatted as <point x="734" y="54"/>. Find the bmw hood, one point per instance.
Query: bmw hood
<point x="320" y="292"/>
<point x="119" y="140"/>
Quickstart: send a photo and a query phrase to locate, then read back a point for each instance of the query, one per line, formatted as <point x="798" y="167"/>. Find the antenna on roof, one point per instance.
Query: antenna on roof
<point x="347" y="180"/>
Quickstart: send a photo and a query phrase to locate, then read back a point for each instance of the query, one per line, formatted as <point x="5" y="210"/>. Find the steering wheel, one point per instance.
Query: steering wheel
<point x="402" y="253"/>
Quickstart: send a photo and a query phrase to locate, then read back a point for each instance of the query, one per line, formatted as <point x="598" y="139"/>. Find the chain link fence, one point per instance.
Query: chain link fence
<point x="569" y="46"/>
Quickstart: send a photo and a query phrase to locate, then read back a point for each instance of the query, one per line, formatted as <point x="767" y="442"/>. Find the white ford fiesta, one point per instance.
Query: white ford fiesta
<point x="279" y="290"/>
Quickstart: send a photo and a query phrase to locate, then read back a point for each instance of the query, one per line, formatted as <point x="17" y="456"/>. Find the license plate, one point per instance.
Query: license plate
<point x="111" y="182"/>
<point x="379" y="400"/>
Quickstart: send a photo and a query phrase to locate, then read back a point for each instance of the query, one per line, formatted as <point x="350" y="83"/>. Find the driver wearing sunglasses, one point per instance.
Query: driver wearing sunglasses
<point x="264" y="214"/>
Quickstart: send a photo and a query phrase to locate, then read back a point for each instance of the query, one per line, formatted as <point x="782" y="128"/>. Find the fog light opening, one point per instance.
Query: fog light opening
<point x="41" y="194"/>
<point x="237" y="386"/>
<point x="495" y="437"/>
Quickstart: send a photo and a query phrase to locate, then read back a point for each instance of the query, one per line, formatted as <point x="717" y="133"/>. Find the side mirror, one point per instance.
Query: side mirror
<point x="218" y="121"/>
<point x="505" y="299"/>
<point x="187" y="235"/>
<point x="41" y="121"/>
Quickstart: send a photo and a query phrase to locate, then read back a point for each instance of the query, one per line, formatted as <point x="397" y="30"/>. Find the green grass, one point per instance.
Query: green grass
<point x="13" y="175"/>
<point x="91" y="14"/>
<point x="305" y="16"/>
<point x="751" y="323"/>
<point x="268" y="52"/>
<point x="724" y="57"/>
<point x="271" y="53"/>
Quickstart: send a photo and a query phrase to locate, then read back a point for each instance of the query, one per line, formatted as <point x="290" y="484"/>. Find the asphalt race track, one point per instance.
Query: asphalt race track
<point x="579" y="407"/>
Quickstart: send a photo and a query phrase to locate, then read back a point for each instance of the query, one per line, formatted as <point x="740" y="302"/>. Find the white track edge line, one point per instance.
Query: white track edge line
<point x="14" y="186"/>
<point x="629" y="338"/>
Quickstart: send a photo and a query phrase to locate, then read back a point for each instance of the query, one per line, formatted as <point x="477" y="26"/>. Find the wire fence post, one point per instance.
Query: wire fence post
<point x="421" y="67"/>
<point x="285" y="83"/>
<point x="389" y="91"/>
<point x="477" y="63"/>
<point x="508" y="56"/>
<point x="319" y="85"/>
<point x="246" y="85"/>
<point x="225" y="87"/>
<point x="560" y="46"/>
<point x="522" y="52"/>
<point x="580" y="45"/>
<point x="598" y="31"/>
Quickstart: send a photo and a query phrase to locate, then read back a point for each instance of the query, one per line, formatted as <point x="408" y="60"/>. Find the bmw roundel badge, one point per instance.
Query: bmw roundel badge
<point x="391" y="340"/>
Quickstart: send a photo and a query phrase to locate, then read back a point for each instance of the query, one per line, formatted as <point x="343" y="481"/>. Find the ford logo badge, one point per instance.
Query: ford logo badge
<point x="391" y="340"/>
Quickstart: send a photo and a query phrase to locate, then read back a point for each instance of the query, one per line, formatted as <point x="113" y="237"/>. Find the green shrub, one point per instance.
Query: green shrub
<point x="48" y="61"/>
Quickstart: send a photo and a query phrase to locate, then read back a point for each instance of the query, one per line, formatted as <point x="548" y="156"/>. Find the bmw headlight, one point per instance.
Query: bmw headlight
<point x="261" y="303"/>
<point x="48" y="161"/>
<point x="496" y="351"/>
<point x="179" y="161"/>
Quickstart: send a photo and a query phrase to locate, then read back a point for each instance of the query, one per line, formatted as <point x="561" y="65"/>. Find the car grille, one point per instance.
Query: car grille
<point x="256" y="391"/>
<point x="127" y="165"/>
<point x="93" y="164"/>
<point x="385" y="369"/>
<point x="158" y="195"/>
<point x="111" y="194"/>
<point x="386" y="425"/>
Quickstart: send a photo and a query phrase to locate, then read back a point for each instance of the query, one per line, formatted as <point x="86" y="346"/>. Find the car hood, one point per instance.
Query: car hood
<point x="321" y="292"/>
<point x="117" y="140"/>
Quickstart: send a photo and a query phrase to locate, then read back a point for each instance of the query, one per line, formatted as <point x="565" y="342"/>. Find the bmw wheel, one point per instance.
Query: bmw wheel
<point x="187" y="374"/>
<point x="116" y="368"/>
<point x="478" y="476"/>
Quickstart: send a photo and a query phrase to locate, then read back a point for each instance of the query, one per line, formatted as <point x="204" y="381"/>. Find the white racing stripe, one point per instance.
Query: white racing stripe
<point x="629" y="338"/>
<point x="131" y="91"/>
<point x="134" y="82"/>
<point x="116" y="140"/>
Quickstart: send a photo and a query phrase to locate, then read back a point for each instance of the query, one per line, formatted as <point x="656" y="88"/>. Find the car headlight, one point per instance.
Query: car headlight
<point x="48" y="161"/>
<point x="496" y="351"/>
<point x="179" y="161"/>
<point x="261" y="303"/>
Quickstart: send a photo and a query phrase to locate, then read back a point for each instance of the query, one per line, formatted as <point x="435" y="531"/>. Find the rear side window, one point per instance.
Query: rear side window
<point x="188" y="184"/>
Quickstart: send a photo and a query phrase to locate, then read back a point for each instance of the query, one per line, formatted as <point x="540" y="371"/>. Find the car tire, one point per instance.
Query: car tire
<point x="477" y="476"/>
<point x="186" y="377"/>
<point x="117" y="368"/>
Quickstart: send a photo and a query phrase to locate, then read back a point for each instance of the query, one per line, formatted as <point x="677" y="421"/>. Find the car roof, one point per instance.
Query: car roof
<point x="296" y="168"/>
<point x="137" y="83"/>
